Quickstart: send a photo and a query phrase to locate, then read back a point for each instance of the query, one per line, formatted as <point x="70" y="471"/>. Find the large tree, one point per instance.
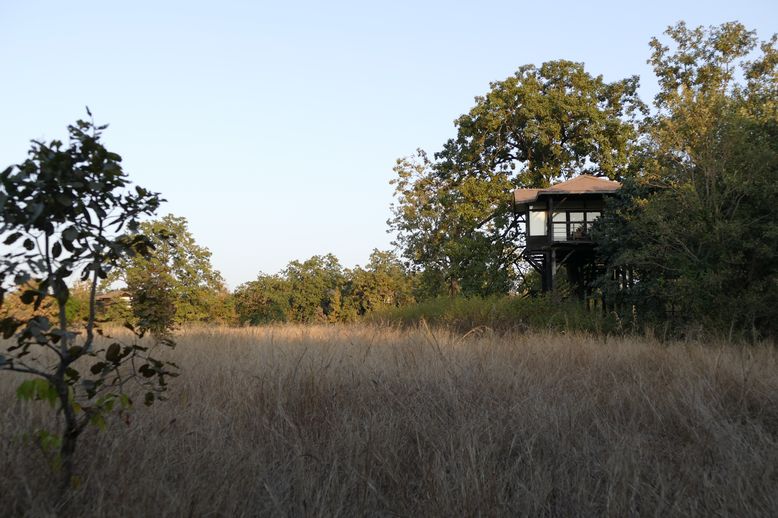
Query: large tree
<point x="452" y="214"/>
<point x="698" y="232"/>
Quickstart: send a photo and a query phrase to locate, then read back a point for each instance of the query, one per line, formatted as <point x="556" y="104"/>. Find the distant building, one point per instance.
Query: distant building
<point x="109" y="298"/>
<point x="557" y="221"/>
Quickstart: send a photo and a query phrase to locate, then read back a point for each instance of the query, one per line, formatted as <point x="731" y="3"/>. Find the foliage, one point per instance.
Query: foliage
<point x="383" y="283"/>
<point x="699" y="234"/>
<point x="452" y="214"/>
<point x="77" y="306"/>
<point x="177" y="283"/>
<point x="314" y="289"/>
<point x="263" y="300"/>
<point x="68" y="210"/>
<point x="320" y="290"/>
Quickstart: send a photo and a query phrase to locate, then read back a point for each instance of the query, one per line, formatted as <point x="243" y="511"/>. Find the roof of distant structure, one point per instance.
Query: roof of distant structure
<point x="112" y="294"/>
<point x="582" y="184"/>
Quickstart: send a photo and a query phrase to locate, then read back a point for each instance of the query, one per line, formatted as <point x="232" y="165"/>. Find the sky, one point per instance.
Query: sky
<point x="273" y="127"/>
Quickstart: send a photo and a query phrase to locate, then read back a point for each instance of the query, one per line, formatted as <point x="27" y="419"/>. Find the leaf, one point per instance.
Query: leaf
<point x="25" y="390"/>
<point x="125" y="401"/>
<point x="64" y="200"/>
<point x="146" y="370"/>
<point x="72" y="374"/>
<point x="29" y="244"/>
<point x="98" y="420"/>
<point x="56" y="250"/>
<point x="113" y="353"/>
<point x="28" y="296"/>
<point x="98" y="367"/>
<point x="9" y="325"/>
<point x="70" y="234"/>
<point x="37" y="389"/>
<point x="75" y="351"/>
<point x="12" y="238"/>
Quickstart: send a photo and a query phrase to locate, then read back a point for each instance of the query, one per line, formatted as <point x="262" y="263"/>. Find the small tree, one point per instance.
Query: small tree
<point x="67" y="210"/>
<point x="177" y="284"/>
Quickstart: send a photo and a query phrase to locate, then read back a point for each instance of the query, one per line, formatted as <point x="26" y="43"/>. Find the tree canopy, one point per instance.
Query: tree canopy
<point x="698" y="229"/>
<point x="177" y="283"/>
<point x="452" y="213"/>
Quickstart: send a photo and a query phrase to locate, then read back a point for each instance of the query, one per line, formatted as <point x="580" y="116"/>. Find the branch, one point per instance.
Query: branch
<point x="25" y="369"/>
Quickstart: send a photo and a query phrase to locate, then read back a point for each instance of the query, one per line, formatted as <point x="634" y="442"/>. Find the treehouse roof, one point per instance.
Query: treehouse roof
<point x="583" y="184"/>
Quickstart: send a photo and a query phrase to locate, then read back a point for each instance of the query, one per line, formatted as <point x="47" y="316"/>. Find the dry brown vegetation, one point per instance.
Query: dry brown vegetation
<point x="323" y="421"/>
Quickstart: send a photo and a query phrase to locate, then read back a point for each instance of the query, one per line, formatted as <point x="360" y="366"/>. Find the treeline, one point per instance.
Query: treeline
<point x="175" y="284"/>
<point x="320" y="290"/>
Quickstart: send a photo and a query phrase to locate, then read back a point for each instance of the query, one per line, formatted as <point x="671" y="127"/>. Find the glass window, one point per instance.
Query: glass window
<point x="576" y="216"/>
<point x="591" y="216"/>
<point x="537" y="223"/>
<point x="560" y="232"/>
<point x="560" y="217"/>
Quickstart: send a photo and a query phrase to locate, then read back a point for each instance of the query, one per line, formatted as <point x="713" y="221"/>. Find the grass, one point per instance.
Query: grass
<point x="503" y="313"/>
<point x="367" y="420"/>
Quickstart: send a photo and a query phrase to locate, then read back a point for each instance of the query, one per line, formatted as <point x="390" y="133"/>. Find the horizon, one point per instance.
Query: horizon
<point x="284" y="123"/>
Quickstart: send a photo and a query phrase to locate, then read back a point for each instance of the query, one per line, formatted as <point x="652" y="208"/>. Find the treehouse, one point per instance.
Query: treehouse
<point x="557" y="221"/>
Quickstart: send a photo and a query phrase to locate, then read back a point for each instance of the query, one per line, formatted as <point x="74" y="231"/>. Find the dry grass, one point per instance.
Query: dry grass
<point x="323" y="421"/>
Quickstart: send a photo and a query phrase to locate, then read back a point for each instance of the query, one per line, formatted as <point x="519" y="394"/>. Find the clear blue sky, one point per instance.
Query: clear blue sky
<point x="273" y="126"/>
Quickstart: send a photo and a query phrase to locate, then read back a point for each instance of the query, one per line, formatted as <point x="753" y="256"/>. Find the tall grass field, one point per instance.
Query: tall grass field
<point x="373" y="420"/>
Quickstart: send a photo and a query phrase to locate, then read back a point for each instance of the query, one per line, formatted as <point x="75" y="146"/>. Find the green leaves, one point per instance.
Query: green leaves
<point x="697" y="231"/>
<point x="64" y="208"/>
<point x="170" y="277"/>
<point x="452" y="214"/>
<point x="38" y="389"/>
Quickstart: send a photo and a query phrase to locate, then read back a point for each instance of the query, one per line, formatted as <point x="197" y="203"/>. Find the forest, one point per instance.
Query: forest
<point x="437" y="378"/>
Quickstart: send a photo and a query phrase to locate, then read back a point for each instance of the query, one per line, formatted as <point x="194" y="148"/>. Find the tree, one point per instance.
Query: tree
<point x="698" y="232"/>
<point x="177" y="283"/>
<point x="66" y="210"/>
<point x="452" y="214"/>
<point x="384" y="282"/>
<point x="315" y="289"/>
<point x="263" y="300"/>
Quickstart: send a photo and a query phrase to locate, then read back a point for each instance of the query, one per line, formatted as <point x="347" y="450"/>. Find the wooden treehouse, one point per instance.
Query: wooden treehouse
<point x="557" y="221"/>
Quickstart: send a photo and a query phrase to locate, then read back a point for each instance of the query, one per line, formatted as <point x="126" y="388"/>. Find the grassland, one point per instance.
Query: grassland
<point x="368" y="420"/>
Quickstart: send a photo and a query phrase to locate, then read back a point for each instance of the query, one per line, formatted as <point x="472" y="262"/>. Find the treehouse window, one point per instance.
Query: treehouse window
<point x="537" y="223"/>
<point x="573" y="225"/>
